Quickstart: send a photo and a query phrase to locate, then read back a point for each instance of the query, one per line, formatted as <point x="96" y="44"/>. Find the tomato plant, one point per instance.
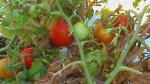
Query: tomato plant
<point x="81" y="30"/>
<point x="59" y="33"/>
<point x="4" y="73"/>
<point x="67" y="47"/>
<point x="29" y="58"/>
<point x="102" y="36"/>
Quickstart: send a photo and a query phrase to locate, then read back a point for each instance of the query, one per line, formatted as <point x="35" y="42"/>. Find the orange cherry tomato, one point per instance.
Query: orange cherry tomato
<point x="101" y="36"/>
<point x="3" y="68"/>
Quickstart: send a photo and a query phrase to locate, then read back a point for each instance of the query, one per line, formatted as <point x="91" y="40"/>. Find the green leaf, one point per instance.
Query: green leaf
<point x="75" y="2"/>
<point x="106" y="12"/>
<point x="135" y="4"/>
<point x="43" y="5"/>
<point x="40" y="31"/>
<point x="94" y="60"/>
<point x="33" y="11"/>
<point x="9" y="33"/>
<point x="104" y="1"/>
<point x="36" y="67"/>
<point x="22" y="77"/>
<point x="6" y="33"/>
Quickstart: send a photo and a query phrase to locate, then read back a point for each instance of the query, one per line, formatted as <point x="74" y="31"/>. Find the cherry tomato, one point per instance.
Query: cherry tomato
<point x="29" y="58"/>
<point x="59" y="33"/>
<point x="81" y="30"/>
<point x="101" y="36"/>
<point x="3" y="68"/>
<point x="124" y="21"/>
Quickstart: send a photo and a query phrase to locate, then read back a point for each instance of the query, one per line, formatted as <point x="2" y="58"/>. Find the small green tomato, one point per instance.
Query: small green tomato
<point x="81" y="30"/>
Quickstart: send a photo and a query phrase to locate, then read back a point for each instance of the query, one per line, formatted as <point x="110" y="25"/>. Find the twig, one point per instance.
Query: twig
<point x="65" y="67"/>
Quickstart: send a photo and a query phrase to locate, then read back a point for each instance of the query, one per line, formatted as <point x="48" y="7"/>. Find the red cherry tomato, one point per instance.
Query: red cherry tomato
<point x="124" y="21"/>
<point x="59" y="33"/>
<point x="101" y="36"/>
<point x="28" y="58"/>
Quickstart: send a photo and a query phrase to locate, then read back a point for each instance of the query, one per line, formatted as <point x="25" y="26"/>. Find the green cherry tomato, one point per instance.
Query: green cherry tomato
<point x="81" y="30"/>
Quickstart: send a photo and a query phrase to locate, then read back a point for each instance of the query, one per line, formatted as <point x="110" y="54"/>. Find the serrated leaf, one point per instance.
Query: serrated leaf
<point x="136" y="3"/>
<point x="94" y="60"/>
<point x="37" y="66"/>
<point x="33" y="11"/>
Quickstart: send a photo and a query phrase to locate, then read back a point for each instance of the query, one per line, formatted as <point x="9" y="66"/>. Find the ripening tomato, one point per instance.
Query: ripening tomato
<point x="125" y="22"/>
<point x="59" y="33"/>
<point x="3" y="68"/>
<point x="29" y="58"/>
<point x="81" y="30"/>
<point x="102" y="36"/>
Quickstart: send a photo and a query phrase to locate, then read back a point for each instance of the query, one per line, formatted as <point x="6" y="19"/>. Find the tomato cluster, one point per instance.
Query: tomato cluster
<point x="60" y="35"/>
<point x="124" y="21"/>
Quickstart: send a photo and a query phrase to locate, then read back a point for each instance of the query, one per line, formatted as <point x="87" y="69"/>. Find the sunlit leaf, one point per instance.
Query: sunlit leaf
<point x="136" y="3"/>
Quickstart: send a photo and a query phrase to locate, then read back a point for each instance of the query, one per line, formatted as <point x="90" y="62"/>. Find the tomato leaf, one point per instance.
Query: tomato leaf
<point x="37" y="67"/>
<point x="136" y="3"/>
<point x="6" y="33"/>
<point x="94" y="60"/>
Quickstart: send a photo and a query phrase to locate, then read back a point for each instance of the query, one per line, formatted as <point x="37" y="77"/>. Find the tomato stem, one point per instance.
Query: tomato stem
<point x="125" y="53"/>
<point x="125" y="68"/>
<point x="143" y="42"/>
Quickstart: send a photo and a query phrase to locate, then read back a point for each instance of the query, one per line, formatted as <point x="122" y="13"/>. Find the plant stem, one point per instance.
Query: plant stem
<point x="80" y="46"/>
<point x="9" y="45"/>
<point x="125" y="53"/>
<point x="143" y="42"/>
<point x="125" y="68"/>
